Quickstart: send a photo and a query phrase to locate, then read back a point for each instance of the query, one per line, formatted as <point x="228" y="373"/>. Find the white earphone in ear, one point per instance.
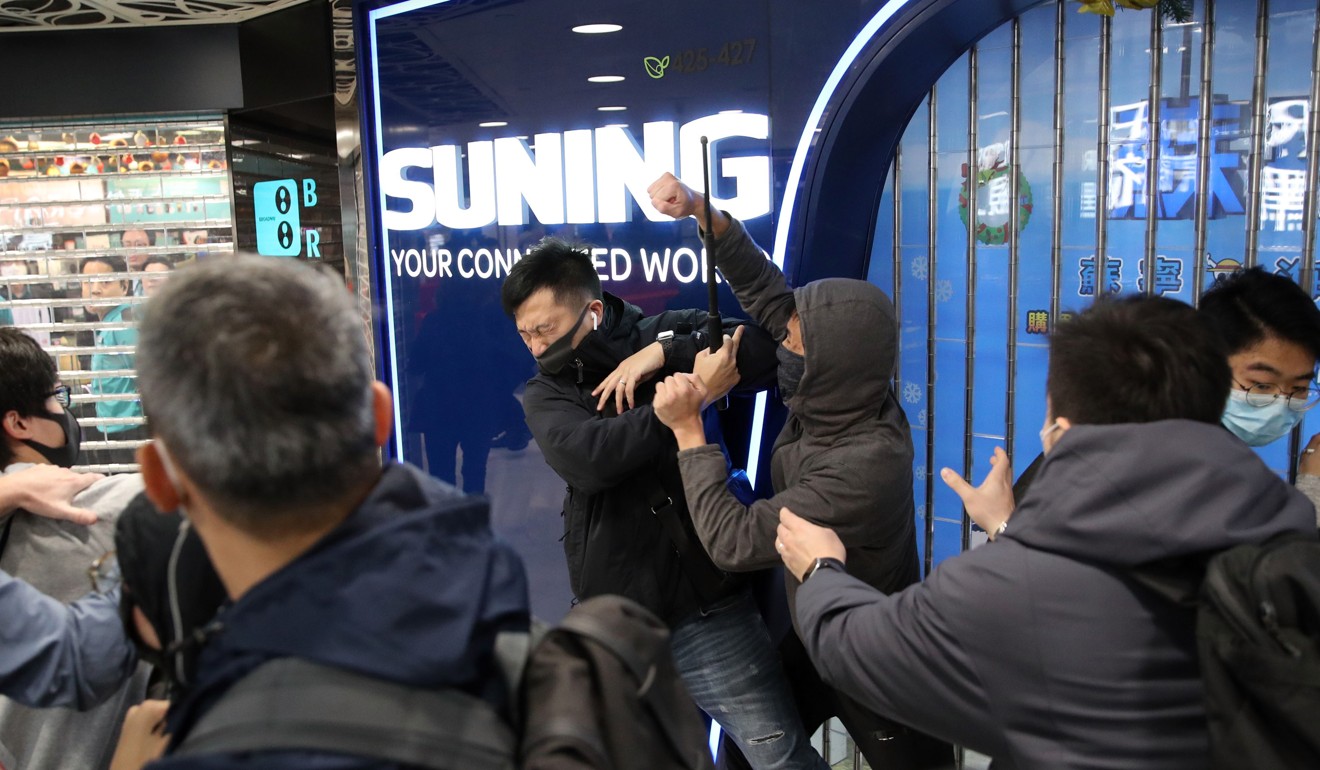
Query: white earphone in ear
<point x="594" y="324"/>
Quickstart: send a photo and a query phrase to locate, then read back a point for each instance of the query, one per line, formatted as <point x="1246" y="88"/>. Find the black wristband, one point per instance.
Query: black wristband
<point x="824" y="561"/>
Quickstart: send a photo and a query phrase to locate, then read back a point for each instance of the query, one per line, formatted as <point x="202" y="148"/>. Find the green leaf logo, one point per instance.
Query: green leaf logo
<point x="656" y="67"/>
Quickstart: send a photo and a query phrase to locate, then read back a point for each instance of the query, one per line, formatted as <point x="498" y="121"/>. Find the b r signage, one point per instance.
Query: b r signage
<point x="278" y="206"/>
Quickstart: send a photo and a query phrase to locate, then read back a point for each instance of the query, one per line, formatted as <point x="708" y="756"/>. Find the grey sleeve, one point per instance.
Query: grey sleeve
<point x="736" y="538"/>
<point x="1310" y="486"/>
<point x="758" y="284"/>
<point x="53" y="654"/>
<point x="897" y="655"/>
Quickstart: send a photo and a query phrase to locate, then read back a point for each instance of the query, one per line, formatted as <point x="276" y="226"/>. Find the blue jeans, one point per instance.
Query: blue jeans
<point x="732" y="671"/>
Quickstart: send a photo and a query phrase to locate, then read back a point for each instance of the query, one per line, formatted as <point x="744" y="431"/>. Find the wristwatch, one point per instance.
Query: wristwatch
<point x="824" y="561"/>
<point x="666" y="340"/>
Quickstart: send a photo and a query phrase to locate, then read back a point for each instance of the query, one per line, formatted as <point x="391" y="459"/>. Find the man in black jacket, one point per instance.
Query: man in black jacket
<point x="626" y="525"/>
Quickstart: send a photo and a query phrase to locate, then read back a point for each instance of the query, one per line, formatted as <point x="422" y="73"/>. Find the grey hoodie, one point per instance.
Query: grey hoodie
<point x="53" y="556"/>
<point x="844" y="457"/>
<point x="1038" y="649"/>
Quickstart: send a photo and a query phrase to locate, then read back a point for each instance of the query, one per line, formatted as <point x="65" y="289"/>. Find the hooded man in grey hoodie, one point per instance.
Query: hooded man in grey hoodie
<point x="844" y="455"/>
<point x="1042" y="648"/>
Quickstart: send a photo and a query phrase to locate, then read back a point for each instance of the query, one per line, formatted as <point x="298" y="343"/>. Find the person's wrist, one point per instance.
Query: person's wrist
<point x="824" y="562"/>
<point x="690" y="433"/>
<point x="995" y="530"/>
<point x="664" y="344"/>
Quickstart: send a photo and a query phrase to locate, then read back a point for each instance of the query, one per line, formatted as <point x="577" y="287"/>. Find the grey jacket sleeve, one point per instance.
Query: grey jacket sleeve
<point x="758" y="284"/>
<point x="1310" y="486"/>
<point x="898" y="655"/>
<point x="738" y="538"/>
<point x="53" y="654"/>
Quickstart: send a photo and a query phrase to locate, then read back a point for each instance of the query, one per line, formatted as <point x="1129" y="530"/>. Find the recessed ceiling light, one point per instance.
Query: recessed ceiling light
<point x="605" y="78"/>
<point x="611" y="109"/>
<point x="596" y="29"/>
<point x="615" y="125"/>
<point x="492" y="124"/>
<point x="730" y="112"/>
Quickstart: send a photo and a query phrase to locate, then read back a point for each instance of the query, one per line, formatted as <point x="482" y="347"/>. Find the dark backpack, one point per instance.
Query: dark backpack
<point x="599" y="691"/>
<point x="1258" y="644"/>
<point x="1258" y="635"/>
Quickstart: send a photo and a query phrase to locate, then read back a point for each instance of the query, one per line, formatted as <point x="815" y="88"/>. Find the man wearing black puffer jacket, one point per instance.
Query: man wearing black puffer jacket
<point x="589" y="410"/>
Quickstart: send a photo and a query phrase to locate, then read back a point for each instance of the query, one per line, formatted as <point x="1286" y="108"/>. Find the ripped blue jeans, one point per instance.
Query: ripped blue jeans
<point x="726" y="660"/>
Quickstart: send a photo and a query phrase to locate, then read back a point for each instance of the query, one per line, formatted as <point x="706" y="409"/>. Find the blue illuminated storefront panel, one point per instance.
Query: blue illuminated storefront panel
<point x="492" y="125"/>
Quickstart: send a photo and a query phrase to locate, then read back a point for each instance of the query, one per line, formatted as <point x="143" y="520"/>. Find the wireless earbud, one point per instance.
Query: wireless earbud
<point x="594" y="324"/>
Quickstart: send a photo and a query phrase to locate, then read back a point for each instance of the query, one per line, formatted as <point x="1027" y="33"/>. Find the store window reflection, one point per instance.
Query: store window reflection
<point x="1006" y="244"/>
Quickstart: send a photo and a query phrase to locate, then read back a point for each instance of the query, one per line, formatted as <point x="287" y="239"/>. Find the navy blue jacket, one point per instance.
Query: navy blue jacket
<point x="411" y="588"/>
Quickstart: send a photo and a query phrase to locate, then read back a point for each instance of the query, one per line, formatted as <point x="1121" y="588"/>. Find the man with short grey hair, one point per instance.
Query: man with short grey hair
<point x="257" y="381"/>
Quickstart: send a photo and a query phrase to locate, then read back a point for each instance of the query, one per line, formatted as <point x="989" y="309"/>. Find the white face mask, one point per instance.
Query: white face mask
<point x="1045" y="433"/>
<point x="167" y="462"/>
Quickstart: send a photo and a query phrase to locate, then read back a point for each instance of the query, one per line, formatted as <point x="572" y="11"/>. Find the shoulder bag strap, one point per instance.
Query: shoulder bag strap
<point x="707" y="579"/>
<point x="4" y="532"/>
<point x="292" y="704"/>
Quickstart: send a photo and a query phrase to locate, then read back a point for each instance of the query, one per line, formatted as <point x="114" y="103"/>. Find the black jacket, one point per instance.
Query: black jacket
<point x="613" y="543"/>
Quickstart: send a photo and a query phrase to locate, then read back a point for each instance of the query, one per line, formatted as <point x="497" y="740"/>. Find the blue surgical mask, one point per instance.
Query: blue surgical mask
<point x="1258" y="425"/>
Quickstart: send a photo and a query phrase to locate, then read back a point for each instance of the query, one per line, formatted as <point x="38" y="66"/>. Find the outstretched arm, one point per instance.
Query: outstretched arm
<point x="53" y="654"/>
<point x="758" y="284"/>
<point x="47" y="490"/>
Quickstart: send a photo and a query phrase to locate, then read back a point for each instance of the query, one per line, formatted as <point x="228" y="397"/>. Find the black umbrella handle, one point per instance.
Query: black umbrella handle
<point x="714" y="326"/>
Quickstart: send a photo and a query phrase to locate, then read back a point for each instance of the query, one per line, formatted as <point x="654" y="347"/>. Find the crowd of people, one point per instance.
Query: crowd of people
<point x="102" y="332"/>
<point x="288" y="540"/>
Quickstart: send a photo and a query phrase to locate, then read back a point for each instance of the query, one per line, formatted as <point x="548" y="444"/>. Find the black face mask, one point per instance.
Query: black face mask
<point x="791" y="367"/>
<point x="559" y="353"/>
<point x="168" y="576"/>
<point x="64" y="456"/>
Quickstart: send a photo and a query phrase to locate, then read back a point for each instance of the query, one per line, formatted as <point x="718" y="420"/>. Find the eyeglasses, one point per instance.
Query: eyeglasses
<point x="1266" y="393"/>
<point x="63" y="396"/>
<point x="104" y="573"/>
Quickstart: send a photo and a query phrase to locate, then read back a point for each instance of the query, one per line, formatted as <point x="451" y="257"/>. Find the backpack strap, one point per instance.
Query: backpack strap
<point x="291" y="704"/>
<point x="709" y="581"/>
<point x="4" y="531"/>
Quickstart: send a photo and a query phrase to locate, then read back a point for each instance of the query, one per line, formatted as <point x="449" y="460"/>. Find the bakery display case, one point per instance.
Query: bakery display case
<point x="94" y="216"/>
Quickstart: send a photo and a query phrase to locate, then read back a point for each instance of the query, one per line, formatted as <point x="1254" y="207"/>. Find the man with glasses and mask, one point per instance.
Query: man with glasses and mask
<point x="1271" y="332"/>
<point x="54" y="556"/>
<point x="627" y="529"/>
